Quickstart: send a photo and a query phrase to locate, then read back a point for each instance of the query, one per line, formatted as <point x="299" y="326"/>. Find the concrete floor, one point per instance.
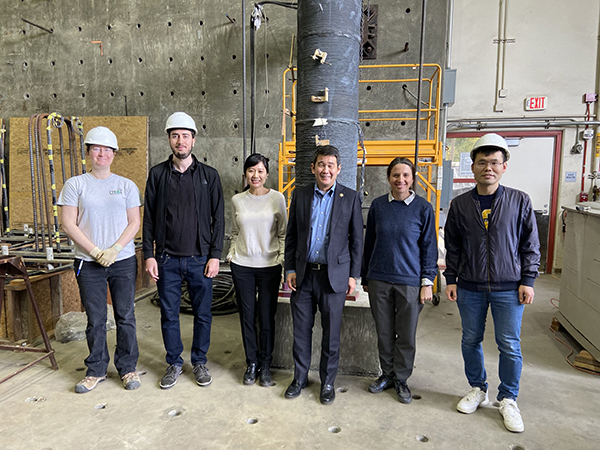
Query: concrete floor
<point x="560" y="405"/>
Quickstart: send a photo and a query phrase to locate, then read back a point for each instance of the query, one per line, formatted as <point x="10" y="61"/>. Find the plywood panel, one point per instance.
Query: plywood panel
<point x="131" y="161"/>
<point x="3" y="330"/>
<point x="43" y="298"/>
<point x="21" y="321"/>
<point x="70" y="292"/>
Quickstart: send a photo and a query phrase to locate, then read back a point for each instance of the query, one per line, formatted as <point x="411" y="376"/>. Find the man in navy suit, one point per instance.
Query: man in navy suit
<point x="323" y="248"/>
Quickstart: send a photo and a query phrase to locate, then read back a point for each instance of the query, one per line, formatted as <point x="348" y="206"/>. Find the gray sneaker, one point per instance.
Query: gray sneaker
<point x="171" y="376"/>
<point x="203" y="378"/>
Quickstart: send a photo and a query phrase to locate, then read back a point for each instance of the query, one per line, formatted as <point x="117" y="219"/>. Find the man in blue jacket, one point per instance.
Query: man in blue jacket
<point x="183" y="240"/>
<point x="492" y="260"/>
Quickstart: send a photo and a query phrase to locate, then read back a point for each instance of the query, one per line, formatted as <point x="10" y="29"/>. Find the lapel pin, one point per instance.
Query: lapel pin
<point x="341" y="194"/>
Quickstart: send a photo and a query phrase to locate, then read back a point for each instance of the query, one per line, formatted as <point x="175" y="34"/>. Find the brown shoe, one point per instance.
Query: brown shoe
<point x="131" y="381"/>
<point x="88" y="383"/>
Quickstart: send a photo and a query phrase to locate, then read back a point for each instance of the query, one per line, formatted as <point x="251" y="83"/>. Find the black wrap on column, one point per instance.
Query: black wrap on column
<point x="334" y="28"/>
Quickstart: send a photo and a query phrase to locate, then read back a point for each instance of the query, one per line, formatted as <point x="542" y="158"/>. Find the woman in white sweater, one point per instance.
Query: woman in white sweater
<point x="256" y="255"/>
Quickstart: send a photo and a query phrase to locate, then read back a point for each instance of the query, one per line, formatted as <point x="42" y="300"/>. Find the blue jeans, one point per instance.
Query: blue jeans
<point x="172" y="270"/>
<point x="92" y="280"/>
<point x="507" y="313"/>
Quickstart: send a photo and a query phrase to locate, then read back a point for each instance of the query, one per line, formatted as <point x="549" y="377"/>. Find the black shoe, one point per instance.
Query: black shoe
<point x="294" y="389"/>
<point x="264" y="376"/>
<point x="171" y="376"/>
<point x="404" y="395"/>
<point x="381" y="384"/>
<point x="203" y="378"/>
<point x="327" y="394"/>
<point x="250" y="374"/>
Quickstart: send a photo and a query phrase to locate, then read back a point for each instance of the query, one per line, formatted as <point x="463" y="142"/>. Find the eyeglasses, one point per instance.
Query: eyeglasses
<point x="484" y="164"/>
<point x="98" y="149"/>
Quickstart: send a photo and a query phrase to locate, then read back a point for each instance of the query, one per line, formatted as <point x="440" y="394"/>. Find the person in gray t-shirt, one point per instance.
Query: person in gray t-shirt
<point x="101" y="214"/>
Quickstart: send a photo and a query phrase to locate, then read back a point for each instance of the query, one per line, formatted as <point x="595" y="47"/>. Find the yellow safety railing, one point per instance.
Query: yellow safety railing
<point x="379" y="152"/>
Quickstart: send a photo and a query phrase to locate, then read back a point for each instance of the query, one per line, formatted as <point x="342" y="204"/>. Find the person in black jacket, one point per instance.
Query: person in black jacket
<point x="492" y="260"/>
<point x="183" y="240"/>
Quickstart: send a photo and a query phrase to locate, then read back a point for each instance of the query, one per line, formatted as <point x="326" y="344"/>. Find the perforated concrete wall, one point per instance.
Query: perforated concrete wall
<point x="154" y="57"/>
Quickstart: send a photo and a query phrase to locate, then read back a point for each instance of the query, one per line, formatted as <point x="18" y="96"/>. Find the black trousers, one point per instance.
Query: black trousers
<point x="315" y="291"/>
<point x="92" y="280"/>
<point x="258" y="342"/>
<point x="396" y="311"/>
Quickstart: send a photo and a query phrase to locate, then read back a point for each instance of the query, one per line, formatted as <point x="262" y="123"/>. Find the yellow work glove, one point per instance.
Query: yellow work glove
<point x="96" y="253"/>
<point x="110" y="255"/>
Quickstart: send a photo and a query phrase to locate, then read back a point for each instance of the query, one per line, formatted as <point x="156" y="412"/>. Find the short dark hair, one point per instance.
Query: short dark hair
<point x="255" y="159"/>
<point x="326" y="150"/>
<point x="189" y="129"/>
<point x="488" y="150"/>
<point x="401" y="160"/>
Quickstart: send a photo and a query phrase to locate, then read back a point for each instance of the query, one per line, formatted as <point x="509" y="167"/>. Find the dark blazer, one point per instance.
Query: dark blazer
<point x="345" y="235"/>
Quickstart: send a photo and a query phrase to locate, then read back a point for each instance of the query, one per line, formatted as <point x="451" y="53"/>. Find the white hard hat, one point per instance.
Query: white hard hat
<point x="491" y="140"/>
<point x="101" y="136"/>
<point x="180" y="120"/>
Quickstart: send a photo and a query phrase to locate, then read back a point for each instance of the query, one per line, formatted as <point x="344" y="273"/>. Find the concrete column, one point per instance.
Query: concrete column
<point x="332" y="27"/>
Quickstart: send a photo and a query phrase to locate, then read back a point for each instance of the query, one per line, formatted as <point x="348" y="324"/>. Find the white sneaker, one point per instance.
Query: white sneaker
<point x="511" y="415"/>
<point x="470" y="402"/>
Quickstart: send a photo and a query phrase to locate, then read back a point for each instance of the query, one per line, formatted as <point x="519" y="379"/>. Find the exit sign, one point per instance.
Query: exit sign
<point x="535" y="103"/>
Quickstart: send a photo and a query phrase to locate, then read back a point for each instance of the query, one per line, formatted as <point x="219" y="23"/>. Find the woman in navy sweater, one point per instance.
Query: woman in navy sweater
<point x="399" y="266"/>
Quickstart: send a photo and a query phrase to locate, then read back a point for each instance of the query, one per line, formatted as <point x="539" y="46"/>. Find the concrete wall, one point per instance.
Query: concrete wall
<point x="555" y="54"/>
<point x="160" y="56"/>
<point x="191" y="60"/>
